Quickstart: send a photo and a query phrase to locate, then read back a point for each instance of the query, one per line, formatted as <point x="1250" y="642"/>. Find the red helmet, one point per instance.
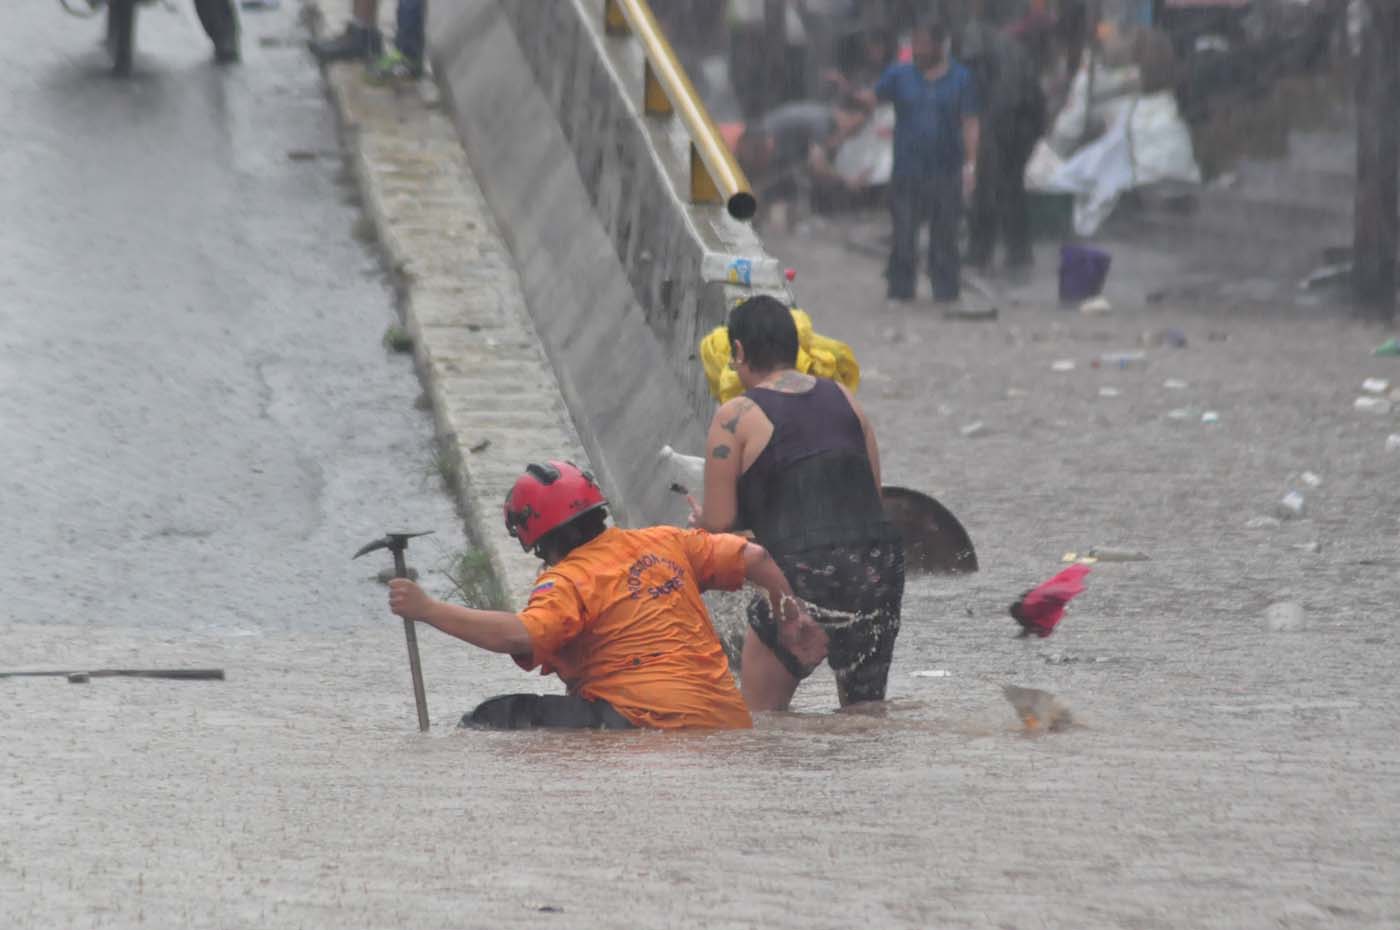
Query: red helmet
<point x="548" y="496"/>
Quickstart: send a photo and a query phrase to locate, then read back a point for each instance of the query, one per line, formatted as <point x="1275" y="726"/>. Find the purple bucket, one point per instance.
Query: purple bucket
<point x="1083" y="270"/>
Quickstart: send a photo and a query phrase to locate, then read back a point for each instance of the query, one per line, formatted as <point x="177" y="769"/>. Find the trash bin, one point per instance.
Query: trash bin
<point x="1083" y="270"/>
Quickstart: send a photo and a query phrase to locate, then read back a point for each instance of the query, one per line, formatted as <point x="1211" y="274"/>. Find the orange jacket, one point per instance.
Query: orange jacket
<point x="620" y="619"/>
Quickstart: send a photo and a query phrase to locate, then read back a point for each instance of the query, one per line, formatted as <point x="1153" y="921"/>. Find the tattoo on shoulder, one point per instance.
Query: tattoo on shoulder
<point x="741" y="407"/>
<point x="721" y="451"/>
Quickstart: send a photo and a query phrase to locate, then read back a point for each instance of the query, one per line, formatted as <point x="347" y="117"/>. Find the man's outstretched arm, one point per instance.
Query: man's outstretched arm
<point x="798" y="632"/>
<point x="494" y="630"/>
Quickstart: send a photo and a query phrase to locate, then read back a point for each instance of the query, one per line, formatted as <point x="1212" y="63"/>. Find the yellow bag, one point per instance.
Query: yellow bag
<point x="816" y="354"/>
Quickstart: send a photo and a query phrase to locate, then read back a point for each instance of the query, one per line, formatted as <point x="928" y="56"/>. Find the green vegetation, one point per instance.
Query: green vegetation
<point x="473" y="580"/>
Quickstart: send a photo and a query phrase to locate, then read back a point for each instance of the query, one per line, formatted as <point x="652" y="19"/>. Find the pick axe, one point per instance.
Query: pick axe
<point x="397" y="543"/>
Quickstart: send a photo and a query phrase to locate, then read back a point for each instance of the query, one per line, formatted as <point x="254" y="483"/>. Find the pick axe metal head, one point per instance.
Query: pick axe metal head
<point x="394" y="542"/>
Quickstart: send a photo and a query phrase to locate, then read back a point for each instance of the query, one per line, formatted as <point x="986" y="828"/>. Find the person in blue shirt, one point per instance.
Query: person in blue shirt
<point x="935" y="156"/>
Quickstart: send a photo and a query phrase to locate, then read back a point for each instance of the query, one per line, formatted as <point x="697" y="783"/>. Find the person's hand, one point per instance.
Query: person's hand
<point x="802" y="636"/>
<point x="695" y="512"/>
<point x="969" y="180"/>
<point x="408" y="600"/>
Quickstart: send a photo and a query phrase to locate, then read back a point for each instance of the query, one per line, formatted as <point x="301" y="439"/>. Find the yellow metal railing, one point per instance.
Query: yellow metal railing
<point x="715" y="177"/>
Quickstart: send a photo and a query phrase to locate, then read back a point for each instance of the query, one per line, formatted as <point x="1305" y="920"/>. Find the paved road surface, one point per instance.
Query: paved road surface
<point x="198" y="427"/>
<point x="199" y="423"/>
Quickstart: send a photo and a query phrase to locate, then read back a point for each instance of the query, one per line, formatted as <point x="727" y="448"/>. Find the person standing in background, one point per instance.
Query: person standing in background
<point x="935" y="157"/>
<point x="220" y="23"/>
<point x="361" y="39"/>
<point x="1013" y="120"/>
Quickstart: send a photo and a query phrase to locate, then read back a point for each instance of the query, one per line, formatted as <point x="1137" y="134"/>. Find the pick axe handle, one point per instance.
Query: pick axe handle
<point x="415" y="665"/>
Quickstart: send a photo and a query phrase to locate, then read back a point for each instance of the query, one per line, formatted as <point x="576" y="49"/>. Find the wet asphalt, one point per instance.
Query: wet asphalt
<point x="198" y="423"/>
<point x="199" y="426"/>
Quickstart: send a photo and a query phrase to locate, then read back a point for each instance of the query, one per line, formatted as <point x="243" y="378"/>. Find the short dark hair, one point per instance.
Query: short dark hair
<point x="933" y="27"/>
<point x="766" y="328"/>
<point x="562" y="540"/>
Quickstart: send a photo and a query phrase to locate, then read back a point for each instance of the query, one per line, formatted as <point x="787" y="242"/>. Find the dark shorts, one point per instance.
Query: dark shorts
<point x="855" y="593"/>
<point x="535" y="711"/>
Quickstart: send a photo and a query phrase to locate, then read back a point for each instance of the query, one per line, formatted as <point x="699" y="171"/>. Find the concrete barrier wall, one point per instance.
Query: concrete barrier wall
<point x="622" y="277"/>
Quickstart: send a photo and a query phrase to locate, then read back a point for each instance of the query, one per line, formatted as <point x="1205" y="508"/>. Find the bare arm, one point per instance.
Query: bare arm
<point x="724" y="453"/>
<point x="493" y="630"/>
<point x="972" y="138"/>
<point x="761" y="570"/>
<point x="872" y="447"/>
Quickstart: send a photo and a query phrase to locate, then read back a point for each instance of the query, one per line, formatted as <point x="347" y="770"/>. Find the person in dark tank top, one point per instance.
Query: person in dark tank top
<point x="794" y="461"/>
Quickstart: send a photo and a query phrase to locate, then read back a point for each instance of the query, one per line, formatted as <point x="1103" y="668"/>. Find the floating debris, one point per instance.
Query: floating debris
<point x="1039" y="710"/>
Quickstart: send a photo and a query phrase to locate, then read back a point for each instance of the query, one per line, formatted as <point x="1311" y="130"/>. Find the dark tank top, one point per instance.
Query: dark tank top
<point x="812" y="485"/>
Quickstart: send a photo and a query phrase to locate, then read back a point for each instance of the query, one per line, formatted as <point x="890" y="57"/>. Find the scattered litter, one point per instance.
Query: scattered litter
<point x="1039" y="610"/>
<point x="1328" y="274"/>
<point x="1376" y="405"/>
<point x="1311" y="479"/>
<point x="1175" y="384"/>
<point x="931" y="673"/>
<point x="1121" y="360"/>
<point x="480" y="447"/>
<point x="1180" y="413"/>
<point x="1375" y="385"/>
<point x="1314" y="547"/>
<point x="1078" y="559"/>
<point x="1210" y="416"/>
<point x="1392" y="442"/>
<point x="1059" y="658"/>
<point x="967" y="310"/>
<point x="1039" y="709"/>
<point x="973" y="430"/>
<point x="1014" y="392"/>
<point x="1062" y="364"/>
<point x="1109" y="392"/>
<point x="1292" y="506"/>
<point x="1391" y="347"/>
<point x="1163" y="337"/>
<point x="1262" y="523"/>
<point x="1284" y="617"/>
<point x="1096" y="306"/>
<point x="1111" y="554"/>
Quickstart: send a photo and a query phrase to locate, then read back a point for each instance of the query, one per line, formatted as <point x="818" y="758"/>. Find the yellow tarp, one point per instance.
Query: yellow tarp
<point x="816" y="355"/>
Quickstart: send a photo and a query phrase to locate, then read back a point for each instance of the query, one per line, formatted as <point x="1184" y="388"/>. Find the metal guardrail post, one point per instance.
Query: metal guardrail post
<point x="715" y="177"/>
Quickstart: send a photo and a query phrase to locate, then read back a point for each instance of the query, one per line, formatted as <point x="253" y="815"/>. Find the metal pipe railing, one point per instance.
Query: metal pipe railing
<point x="715" y="177"/>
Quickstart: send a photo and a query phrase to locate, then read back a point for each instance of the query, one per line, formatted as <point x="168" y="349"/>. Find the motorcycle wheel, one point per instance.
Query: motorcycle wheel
<point x="121" y="34"/>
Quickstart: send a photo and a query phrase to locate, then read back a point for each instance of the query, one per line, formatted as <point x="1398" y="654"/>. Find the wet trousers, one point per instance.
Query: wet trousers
<point x="915" y="201"/>
<point x="218" y="19"/>
<point x="408" y="29"/>
<point x="999" y="207"/>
